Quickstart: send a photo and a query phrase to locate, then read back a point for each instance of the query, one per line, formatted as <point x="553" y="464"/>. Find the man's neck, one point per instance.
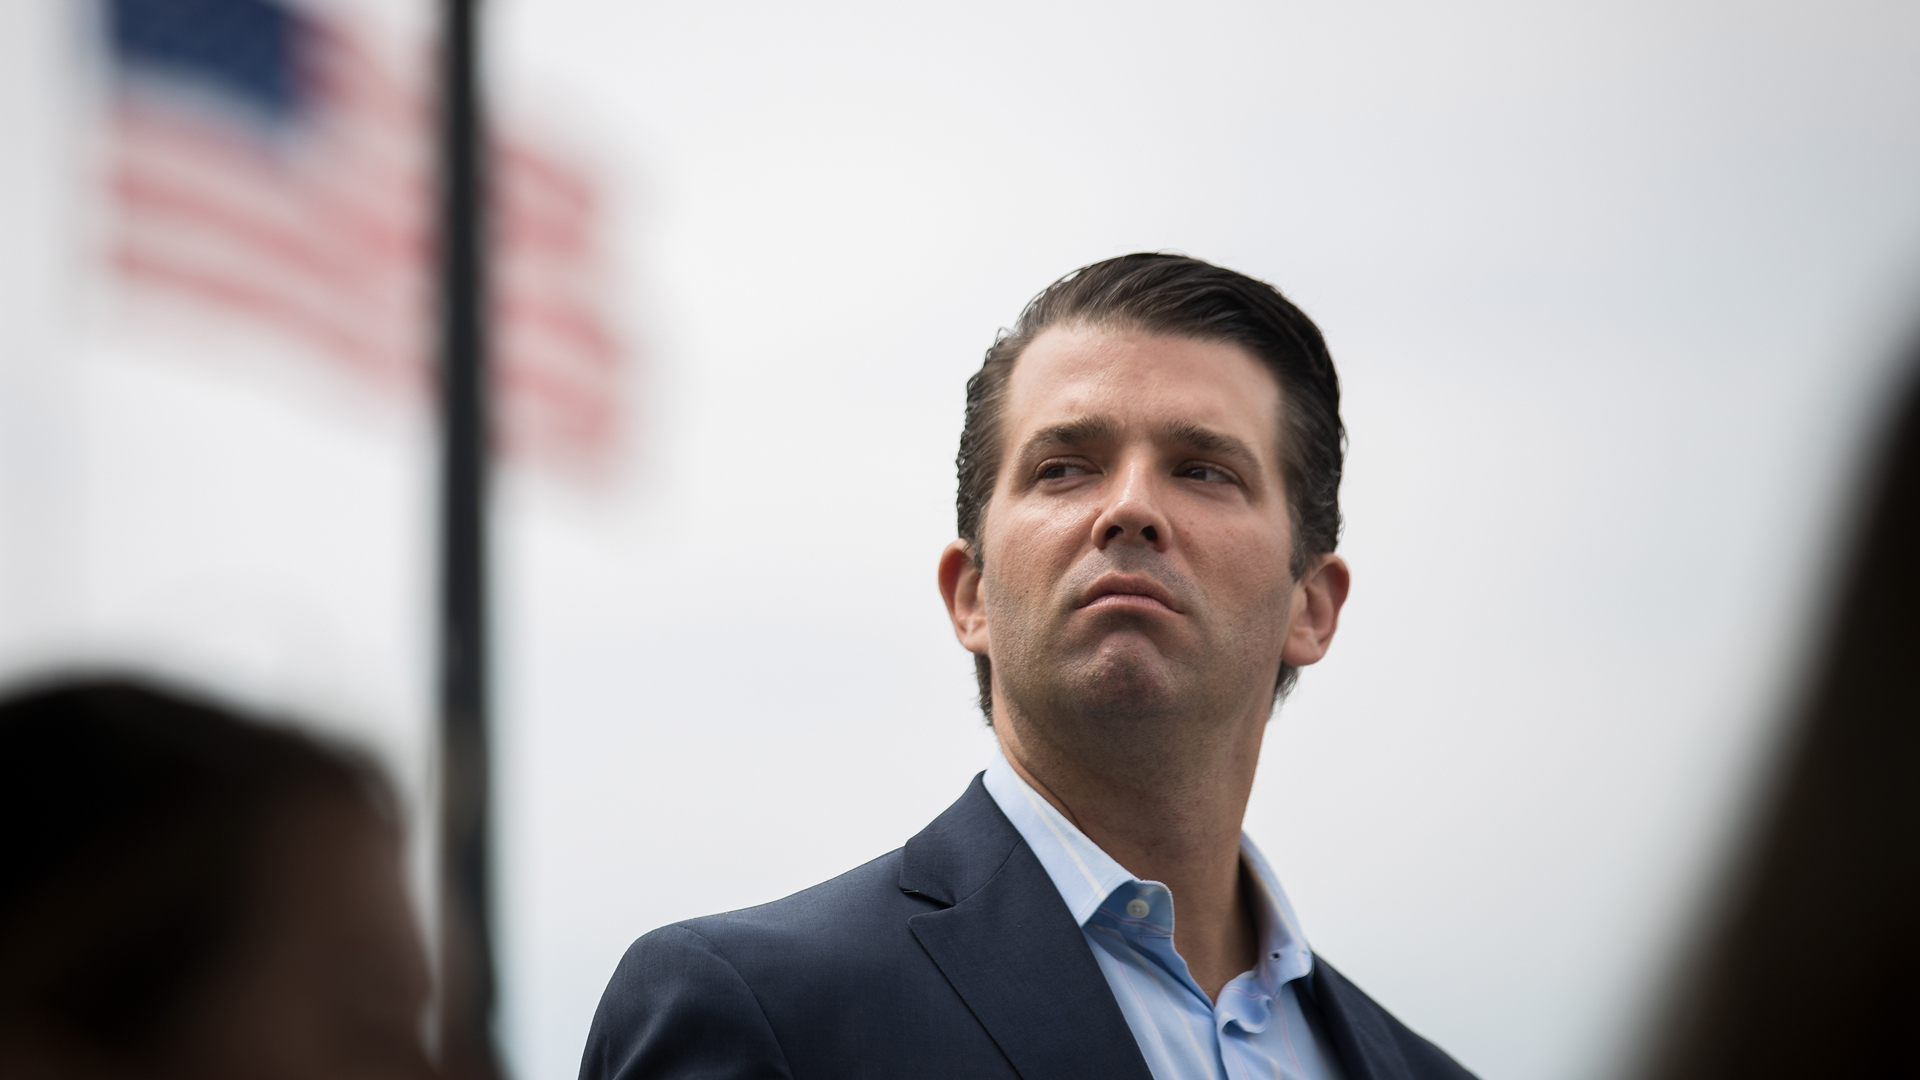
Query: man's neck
<point x="1170" y="814"/>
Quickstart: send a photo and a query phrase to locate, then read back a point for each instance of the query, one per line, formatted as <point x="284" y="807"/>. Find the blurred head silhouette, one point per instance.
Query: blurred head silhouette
<point x="186" y="893"/>
<point x="1814" y="966"/>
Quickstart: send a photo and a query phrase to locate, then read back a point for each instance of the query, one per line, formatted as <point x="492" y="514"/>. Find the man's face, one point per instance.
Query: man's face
<point x="1136" y="545"/>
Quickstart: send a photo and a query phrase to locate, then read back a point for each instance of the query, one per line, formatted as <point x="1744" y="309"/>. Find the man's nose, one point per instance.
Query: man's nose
<point x="1133" y="514"/>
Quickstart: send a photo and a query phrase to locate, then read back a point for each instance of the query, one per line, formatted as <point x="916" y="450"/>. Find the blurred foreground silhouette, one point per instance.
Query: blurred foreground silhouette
<point x="1814" y="965"/>
<point x="189" y="893"/>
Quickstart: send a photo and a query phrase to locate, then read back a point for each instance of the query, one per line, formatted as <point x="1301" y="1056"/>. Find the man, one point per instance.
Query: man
<point x="1148" y="504"/>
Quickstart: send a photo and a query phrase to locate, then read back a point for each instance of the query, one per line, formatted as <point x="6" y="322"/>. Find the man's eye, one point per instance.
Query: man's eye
<point x="1206" y="473"/>
<point x="1060" y="470"/>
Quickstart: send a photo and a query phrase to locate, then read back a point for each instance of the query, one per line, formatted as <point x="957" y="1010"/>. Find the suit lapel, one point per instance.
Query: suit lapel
<point x="1358" y="1028"/>
<point x="1011" y="950"/>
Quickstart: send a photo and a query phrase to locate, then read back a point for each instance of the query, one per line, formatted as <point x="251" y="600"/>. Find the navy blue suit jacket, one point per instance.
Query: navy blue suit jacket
<point x="953" y="956"/>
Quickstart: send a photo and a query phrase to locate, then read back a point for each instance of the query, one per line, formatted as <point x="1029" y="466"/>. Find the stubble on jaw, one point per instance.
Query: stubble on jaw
<point x="1111" y="692"/>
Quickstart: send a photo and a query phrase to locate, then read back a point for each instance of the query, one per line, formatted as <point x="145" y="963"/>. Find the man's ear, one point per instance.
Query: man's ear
<point x="960" y="588"/>
<point x="1317" y="599"/>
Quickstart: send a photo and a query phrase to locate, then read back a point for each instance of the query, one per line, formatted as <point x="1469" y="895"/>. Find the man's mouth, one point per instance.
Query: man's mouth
<point x="1129" y="591"/>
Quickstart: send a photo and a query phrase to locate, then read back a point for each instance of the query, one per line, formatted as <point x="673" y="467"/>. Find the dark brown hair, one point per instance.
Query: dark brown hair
<point x="1178" y="296"/>
<point x="134" y="820"/>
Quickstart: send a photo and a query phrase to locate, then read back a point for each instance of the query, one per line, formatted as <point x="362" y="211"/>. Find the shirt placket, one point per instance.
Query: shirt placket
<point x="1142" y="913"/>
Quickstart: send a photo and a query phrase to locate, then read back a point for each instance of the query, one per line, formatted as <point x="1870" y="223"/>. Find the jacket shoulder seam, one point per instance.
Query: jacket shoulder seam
<point x="765" y="1021"/>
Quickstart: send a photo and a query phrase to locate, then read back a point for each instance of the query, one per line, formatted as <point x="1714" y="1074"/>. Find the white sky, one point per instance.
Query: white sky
<point x="1613" y="289"/>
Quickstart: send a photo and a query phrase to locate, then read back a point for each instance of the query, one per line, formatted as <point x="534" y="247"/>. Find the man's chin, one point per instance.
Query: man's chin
<point x="1126" y="681"/>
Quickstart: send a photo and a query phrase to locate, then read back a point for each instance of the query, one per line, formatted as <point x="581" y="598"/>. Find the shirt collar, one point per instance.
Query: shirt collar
<point x="1087" y="877"/>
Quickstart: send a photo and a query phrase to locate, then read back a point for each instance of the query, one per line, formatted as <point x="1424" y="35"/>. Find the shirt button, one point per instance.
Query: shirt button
<point x="1138" y="908"/>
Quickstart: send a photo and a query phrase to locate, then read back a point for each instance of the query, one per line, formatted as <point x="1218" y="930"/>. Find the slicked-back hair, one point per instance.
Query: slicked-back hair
<point x="1176" y="296"/>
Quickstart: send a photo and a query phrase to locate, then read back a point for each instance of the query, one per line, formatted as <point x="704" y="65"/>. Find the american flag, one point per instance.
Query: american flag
<point x="267" y="165"/>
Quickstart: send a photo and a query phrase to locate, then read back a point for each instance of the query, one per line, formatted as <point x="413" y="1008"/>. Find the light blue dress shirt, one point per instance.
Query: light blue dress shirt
<point x="1257" y="1029"/>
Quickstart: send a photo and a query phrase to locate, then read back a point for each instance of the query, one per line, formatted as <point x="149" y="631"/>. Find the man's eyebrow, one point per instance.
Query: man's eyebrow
<point x="1206" y="440"/>
<point x="1079" y="432"/>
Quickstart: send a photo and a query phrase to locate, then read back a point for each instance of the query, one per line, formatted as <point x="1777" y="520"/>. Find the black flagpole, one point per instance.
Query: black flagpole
<point x="465" y="1028"/>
